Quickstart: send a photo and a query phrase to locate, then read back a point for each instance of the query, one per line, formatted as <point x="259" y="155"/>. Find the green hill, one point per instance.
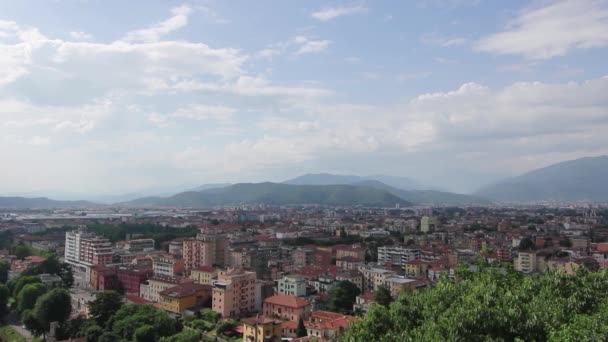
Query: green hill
<point x="277" y="194"/>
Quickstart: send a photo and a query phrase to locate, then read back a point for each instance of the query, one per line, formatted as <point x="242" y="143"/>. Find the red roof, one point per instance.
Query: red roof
<point x="285" y="300"/>
<point x="204" y="268"/>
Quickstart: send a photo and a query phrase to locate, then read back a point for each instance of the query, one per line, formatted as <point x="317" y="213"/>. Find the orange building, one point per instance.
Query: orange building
<point x="287" y="307"/>
<point x="234" y="293"/>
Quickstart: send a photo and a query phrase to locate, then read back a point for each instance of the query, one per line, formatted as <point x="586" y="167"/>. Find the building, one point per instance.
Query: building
<point x="150" y="289"/>
<point x="292" y="285"/>
<point x="328" y="325"/>
<point x="526" y="262"/>
<point x="102" y="278"/>
<point x="205" y="250"/>
<point x="416" y="268"/>
<point x="397" y="255"/>
<point x="373" y="278"/>
<point x="51" y="280"/>
<point x="72" y="244"/>
<point x="352" y="276"/>
<point x="130" y="278"/>
<point x="204" y="275"/>
<point x="429" y="224"/>
<point x="397" y="284"/>
<point x="234" y="293"/>
<point x="168" y="265"/>
<point x="262" y="329"/>
<point x="186" y="296"/>
<point x="354" y="251"/>
<point x="139" y="245"/>
<point x="285" y="307"/>
<point x="349" y="263"/>
<point x="303" y="257"/>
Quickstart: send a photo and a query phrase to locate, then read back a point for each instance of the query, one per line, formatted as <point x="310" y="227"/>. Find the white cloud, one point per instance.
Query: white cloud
<point x="551" y="30"/>
<point x="330" y="13"/>
<point x="438" y="40"/>
<point x="154" y="33"/>
<point x="80" y="35"/>
<point x="204" y="112"/>
<point x="268" y="53"/>
<point x="307" y="45"/>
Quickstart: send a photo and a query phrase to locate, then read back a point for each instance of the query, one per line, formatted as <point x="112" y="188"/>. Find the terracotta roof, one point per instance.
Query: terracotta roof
<point x="185" y="290"/>
<point x="289" y="325"/>
<point x="285" y="300"/>
<point x="261" y="320"/>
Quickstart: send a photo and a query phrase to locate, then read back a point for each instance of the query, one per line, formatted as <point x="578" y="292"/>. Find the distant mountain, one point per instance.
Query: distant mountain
<point x="574" y="180"/>
<point x="276" y="194"/>
<point x="211" y="186"/>
<point x="40" y="203"/>
<point x="330" y="179"/>
<point x="428" y="197"/>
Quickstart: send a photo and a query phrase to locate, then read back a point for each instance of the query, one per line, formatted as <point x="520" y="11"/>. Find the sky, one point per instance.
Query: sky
<point x="114" y="96"/>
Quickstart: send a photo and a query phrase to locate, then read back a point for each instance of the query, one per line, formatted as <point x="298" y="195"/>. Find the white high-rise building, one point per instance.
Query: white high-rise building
<point x="73" y="241"/>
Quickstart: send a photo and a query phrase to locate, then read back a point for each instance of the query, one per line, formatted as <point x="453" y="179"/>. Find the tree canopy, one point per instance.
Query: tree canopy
<point x="383" y="296"/>
<point x="343" y="296"/>
<point x="105" y="305"/>
<point x="493" y="305"/>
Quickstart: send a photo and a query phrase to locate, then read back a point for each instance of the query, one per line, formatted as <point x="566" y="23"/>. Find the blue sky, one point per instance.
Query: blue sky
<point x="114" y="96"/>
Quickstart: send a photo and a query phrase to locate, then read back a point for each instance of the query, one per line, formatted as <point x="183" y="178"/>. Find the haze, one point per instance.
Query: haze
<point x="114" y="96"/>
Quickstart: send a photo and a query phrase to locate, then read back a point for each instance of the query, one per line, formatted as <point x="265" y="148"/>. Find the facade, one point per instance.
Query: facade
<point x="397" y="255"/>
<point x="352" y="276"/>
<point x="373" y="278"/>
<point x="526" y="262"/>
<point x="349" y="263"/>
<point x="429" y="224"/>
<point x="303" y="256"/>
<point x="139" y="245"/>
<point x="289" y="308"/>
<point x="397" y="284"/>
<point x="292" y="285"/>
<point x="328" y="325"/>
<point x="234" y="293"/>
<point x="182" y="297"/>
<point x="150" y="289"/>
<point x="416" y="268"/>
<point x="204" y="275"/>
<point x="168" y="265"/>
<point x="205" y="250"/>
<point x="262" y="329"/>
<point x="130" y="278"/>
<point x="355" y="251"/>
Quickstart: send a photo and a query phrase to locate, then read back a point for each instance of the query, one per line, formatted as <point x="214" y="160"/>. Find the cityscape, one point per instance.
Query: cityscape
<point x="287" y="171"/>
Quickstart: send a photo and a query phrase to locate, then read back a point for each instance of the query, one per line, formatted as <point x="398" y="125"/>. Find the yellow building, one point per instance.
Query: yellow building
<point x="183" y="297"/>
<point x="416" y="268"/>
<point x="204" y="274"/>
<point x="262" y="329"/>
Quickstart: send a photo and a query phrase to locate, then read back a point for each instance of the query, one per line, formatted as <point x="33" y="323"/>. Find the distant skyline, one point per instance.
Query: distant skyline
<point x="117" y="96"/>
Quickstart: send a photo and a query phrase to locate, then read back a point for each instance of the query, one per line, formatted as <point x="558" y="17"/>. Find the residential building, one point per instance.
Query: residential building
<point x="373" y="277"/>
<point x="292" y="285"/>
<point x="168" y="265"/>
<point x="303" y="256"/>
<point x="526" y="262"/>
<point x="416" y="268"/>
<point x="150" y="289"/>
<point x="186" y="296"/>
<point x="262" y="329"/>
<point x="397" y="284"/>
<point x="204" y="274"/>
<point x="354" y="251"/>
<point x="353" y="276"/>
<point x="328" y="325"/>
<point x="429" y="224"/>
<point x="139" y="245"/>
<point x="349" y="263"/>
<point x="234" y="293"/>
<point x="131" y="278"/>
<point x="397" y="255"/>
<point x="287" y="307"/>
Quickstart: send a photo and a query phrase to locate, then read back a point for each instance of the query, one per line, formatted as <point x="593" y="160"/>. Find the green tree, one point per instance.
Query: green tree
<point x="342" y="296"/>
<point x="526" y="244"/>
<point x="66" y="275"/>
<point x="383" y="296"/>
<point x="54" y="306"/>
<point x="184" y="336"/>
<point x="131" y="317"/>
<point x="301" y="331"/>
<point x="93" y="332"/>
<point x="22" y="251"/>
<point x="17" y="284"/>
<point x="27" y="297"/>
<point x="109" y="336"/>
<point x="105" y="305"/>
<point x="4" y="296"/>
<point x="32" y="324"/>
<point x="4" y="268"/>
<point x="145" y="333"/>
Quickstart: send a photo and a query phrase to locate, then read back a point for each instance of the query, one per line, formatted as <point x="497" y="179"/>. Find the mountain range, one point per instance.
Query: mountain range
<point x="404" y="183"/>
<point x="40" y="203"/>
<point x="584" y="179"/>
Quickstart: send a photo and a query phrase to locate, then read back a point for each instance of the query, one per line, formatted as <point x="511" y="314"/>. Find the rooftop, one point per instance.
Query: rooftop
<point x="285" y="300"/>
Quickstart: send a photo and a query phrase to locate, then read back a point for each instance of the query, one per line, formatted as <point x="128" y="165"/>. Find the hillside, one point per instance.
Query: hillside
<point x="276" y="194"/>
<point x="330" y="179"/>
<point x="574" y="180"/>
<point x="40" y="203"/>
<point x="429" y="197"/>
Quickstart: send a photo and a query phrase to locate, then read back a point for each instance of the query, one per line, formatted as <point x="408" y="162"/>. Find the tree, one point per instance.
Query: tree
<point x="54" y="306"/>
<point x="22" y="251"/>
<point x="526" y="244"/>
<point x="17" y="284"/>
<point x="131" y="317"/>
<point x="4" y="296"/>
<point x="383" y="296"/>
<point x="105" y="305"/>
<point x="343" y="296"/>
<point x="66" y="275"/>
<point x="301" y="331"/>
<point x="4" y="268"/>
<point x="184" y="336"/>
<point x="93" y="333"/>
<point x="27" y="297"/>
<point x="32" y="324"/>
<point x="145" y="333"/>
<point x="109" y="336"/>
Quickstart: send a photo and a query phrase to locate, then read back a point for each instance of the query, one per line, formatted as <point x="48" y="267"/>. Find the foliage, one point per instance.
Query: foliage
<point x="4" y="296"/>
<point x="4" y="268"/>
<point x="105" y="305"/>
<point x="109" y="336"/>
<point x="343" y="296"/>
<point x="210" y="316"/>
<point x="226" y="325"/>
<point x="7" y="333"/>
<point x="383" y="296"/>
<point x="301" y="331"/>
<point x="15" y="285"/>
<point x="31" y="323"/>
<point x="27" y="297"/>
<point x="52" y="265"/>
<point x="93" y="332"/>
<point x="54" y="306"/>
<point x="22" y="251"/>
<point x="184" y="336"/>
<point x="154" y="231"/>
<point x="131" y="317"/>
<point x="145" y="333"/>
<point x="494" y="304"/>
<point x="526" y="244"/>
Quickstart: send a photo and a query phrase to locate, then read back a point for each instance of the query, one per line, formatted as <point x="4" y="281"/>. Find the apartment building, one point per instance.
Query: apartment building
<point x="150" y="289"/>
<point x="234" y="293"/>
<point x="204" y="274"/>
<point x="292" y="285"/>
<point x="285" y="307"/>
<point x="397" y="255"/>
<point x="373" y="277"/>
<point x="168" y="265"/>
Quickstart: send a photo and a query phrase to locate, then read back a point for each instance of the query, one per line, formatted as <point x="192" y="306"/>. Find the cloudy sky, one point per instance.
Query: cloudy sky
<point x="113" y="96"/>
